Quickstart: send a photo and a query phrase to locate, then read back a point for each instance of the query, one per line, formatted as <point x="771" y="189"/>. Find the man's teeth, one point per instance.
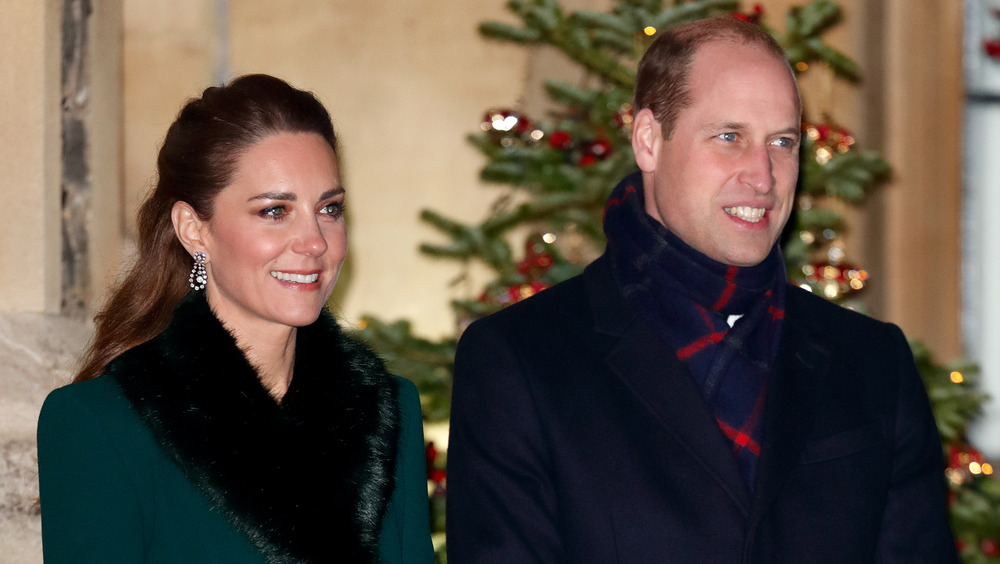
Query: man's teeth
<point x="297" y="278"/>
<point x="746" y="213"/>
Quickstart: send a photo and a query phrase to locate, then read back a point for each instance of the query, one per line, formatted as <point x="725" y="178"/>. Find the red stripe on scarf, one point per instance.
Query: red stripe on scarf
<point x="612" y="202"/>
<point x="739" y="438"/>
<point x="701" y="343"/>
<point x="728" y="291"/>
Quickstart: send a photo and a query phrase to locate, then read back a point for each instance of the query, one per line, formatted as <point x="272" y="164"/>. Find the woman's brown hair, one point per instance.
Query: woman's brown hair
<point x="197" y="160"/>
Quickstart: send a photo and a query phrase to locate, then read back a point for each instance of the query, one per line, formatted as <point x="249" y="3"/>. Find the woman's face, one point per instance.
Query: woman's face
<point x="277" y="236"/>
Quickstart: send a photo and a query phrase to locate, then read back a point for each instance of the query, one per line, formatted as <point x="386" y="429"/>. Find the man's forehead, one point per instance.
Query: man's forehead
<point x="728" y="61"/>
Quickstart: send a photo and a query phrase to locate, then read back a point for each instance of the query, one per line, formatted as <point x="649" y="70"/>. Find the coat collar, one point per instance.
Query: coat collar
<point x="308" y="479"/>
<point x="663" y="386"/>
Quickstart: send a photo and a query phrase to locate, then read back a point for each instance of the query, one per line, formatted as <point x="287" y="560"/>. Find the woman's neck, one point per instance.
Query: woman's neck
<point x="274" y="360"/>
<point x="270" y="348"/>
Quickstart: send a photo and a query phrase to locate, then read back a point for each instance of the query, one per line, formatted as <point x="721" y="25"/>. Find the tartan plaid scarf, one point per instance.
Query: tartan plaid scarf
<point x="687" y="298"/>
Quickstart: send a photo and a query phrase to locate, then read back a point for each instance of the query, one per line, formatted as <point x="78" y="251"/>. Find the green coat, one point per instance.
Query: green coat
<point x="113" y="489"/>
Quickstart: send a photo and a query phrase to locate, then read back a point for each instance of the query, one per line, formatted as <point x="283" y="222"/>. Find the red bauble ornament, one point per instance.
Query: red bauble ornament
<point x="828" y="138"/>
<point x="624" y="116"/>
<point x="537" y="259"/>
<point x="430" y="455"/>
<point x="507" y="127"/>
<point x="753" y="16"/>
<point x="560" y="140"/>
<point x="501" y="119"/>
<point x="960" y="456"/>
<point x="518" y="292"/>
<point x="990" y="548"/>
<point x="600" y="149"/>
<point x="992" y="47"/>
<point x="535" y="263"/>
<point x="593" y="151"/>
<point x="953" y="457"/>
<point x="524" y="125"/>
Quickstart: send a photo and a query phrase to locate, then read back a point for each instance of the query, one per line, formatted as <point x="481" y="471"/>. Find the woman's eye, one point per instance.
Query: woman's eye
<point x="333" y="209"/>
<point x="273" y="212"/>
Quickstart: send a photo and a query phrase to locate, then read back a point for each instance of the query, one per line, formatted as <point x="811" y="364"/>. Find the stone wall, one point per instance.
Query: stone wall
<point x="38" y="352"/>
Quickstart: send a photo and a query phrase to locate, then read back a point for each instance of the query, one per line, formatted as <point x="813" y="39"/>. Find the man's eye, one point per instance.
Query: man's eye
<point x="729" y="137"/>
<point x="785" y="142"/>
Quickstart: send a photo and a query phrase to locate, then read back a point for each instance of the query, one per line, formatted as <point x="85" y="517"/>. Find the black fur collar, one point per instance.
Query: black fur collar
<point x="307" y="480"/>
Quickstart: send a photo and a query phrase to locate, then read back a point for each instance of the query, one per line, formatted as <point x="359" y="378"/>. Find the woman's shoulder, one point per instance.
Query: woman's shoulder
<point x="93" y="406"/>
<point x="101" y="395"/>
<point x="407" y="400"/>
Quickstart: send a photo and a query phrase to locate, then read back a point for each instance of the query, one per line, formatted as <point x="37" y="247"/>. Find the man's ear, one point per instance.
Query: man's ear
<point x="188" y="227"/>
<point x="647" y="139"/>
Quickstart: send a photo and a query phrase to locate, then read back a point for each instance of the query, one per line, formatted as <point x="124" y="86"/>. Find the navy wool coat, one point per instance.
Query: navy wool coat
<point x="577" y="436"/>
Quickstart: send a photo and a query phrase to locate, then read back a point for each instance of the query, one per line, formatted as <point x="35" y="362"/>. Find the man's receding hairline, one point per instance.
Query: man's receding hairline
<point x="735" y="39"/>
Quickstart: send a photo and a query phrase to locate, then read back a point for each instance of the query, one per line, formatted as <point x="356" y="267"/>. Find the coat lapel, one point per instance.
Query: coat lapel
<point x="660" y="383"/>
<point x="803" y="363"/>
<point x="307" y="480"/>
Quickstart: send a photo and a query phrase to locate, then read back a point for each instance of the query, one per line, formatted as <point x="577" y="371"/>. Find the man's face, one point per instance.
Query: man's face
<point x="725" y="181"/>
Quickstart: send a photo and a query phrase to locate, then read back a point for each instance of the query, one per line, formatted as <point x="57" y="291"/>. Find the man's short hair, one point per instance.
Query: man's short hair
<point x="662" y="81"/>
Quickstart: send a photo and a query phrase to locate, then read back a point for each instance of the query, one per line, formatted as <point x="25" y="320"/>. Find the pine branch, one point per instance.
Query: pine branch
<point x="426" y="363"/>
<point x="848" y="176"/>
<point x="568" y="94"/>
<point x="812" y="20"/>
<point x="691" y="11"/>
<point x="802" y="42"/>
<point x="613" y="22"/>
<point x="505" y="32"/>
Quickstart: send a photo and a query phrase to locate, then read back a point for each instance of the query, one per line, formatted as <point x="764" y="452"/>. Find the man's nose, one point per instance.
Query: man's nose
<point x="758" y="170"/>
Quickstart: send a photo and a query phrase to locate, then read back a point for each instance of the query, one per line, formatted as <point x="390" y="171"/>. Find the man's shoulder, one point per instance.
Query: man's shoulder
<point x="800" y="302"/>
<point x="567" y="298"/>
<point x="553" y="317"/>
<point x="836" y="325"/>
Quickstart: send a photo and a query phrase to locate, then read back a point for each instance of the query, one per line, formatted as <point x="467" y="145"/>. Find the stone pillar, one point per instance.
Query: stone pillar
<point x="91" y="151"/>
<point x="105" y="153"/>
<point x="30" y="243"/>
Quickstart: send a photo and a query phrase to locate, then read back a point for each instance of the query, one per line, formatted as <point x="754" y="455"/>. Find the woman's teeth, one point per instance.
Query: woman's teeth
<point x="296" y="278"/>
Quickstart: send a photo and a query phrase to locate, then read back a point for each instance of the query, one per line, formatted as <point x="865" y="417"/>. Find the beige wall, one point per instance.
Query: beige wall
<point x="923" y="98"/>
<point x="404" y="82"/>
<point x="169" y="55"/>
<point x="908" y="106"/>
<point x="30" y="243"/>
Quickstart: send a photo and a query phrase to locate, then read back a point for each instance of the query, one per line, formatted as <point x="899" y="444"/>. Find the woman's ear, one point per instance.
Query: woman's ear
<point x="647" y="139"/>
<point x="188" y="227"/>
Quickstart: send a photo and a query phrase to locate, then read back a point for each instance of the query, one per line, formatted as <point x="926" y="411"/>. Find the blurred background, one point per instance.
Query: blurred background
<point x="88" y="88"/>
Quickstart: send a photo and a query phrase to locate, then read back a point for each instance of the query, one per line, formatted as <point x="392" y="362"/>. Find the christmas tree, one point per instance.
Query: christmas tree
<point x="557" y="173"/>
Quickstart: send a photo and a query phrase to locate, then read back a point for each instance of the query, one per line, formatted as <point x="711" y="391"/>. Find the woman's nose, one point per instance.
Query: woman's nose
<point x="309" y="239"/>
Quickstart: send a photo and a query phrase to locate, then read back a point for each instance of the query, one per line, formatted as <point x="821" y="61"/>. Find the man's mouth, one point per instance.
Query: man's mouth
<point x="295" y="278"/>
<point x="746" y="213"/>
